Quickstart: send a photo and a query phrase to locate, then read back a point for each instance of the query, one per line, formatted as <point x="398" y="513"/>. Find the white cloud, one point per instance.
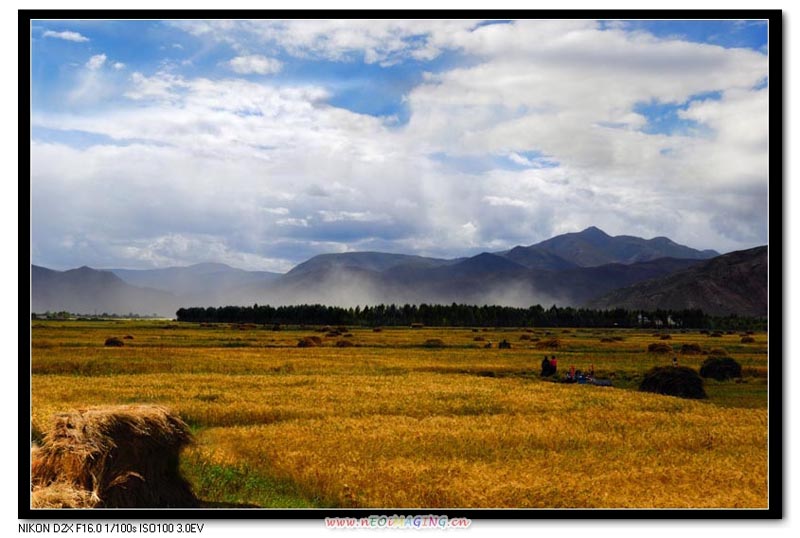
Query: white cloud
<point x="292" y="222"/>
<point x="255" y="64"/>
<point x="356" y="216"/>
<point x="161" y="86"/>
<point x="505" y="201"/>
<point x="385" y="42"/>
<point x="570" y="91"/>
<point x="66" y="35"/>
<point x="277" y="210"/>
<point x="519" y="159"/>
<point x="96" y="62"/>
<point x="94" y="84"/>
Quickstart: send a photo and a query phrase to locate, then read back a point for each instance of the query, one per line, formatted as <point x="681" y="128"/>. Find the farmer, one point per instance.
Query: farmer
<point x="547" y="368"/>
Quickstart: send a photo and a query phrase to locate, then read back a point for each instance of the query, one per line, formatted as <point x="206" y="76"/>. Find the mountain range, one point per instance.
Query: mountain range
<point x="577" y="269"/>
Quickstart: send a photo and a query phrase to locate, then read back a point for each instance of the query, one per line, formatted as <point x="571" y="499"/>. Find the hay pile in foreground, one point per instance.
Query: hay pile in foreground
<point x="112" y="457"/>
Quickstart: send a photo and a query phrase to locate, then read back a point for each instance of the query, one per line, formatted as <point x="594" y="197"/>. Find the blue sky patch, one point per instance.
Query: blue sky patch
<point x="82" y="139"/>
<point x="478" y="164"/>
<point x="750" y="34"/>
<point x="663" y="118"/>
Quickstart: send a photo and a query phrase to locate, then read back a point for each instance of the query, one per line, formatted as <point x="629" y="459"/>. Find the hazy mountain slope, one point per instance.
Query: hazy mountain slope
<point x="534" y="258"/>
<point x="580" y="285"/>
<point x="200" y="284"/>
<point x="89" y="291"/>
<point x="734" y="283"/>
<point x="482" y="279"/>
<point x="372" y="261"/>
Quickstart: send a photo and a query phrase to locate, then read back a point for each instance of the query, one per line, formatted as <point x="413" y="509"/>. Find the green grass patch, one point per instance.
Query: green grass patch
<point x="748" y="393"/>
<point x="241" y="486"/>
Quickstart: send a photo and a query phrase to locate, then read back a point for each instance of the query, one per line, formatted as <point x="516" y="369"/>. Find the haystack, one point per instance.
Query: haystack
<point x="747" y="340"/>
<point x="344" y="343"/>
<point x="721" y="368"/>
<point x="308" y="341"/>
<point x="673" y="381"/>
<point x="433" y="342"/>
<point x="691" y="349"/>
<point x="60" y="495"/>
<point x="114" y="342"/>
<point x="504" y="344"/>
<point x="658" y="347"/>
<point x="550" y="343"/>
<point x="112" y="457"/>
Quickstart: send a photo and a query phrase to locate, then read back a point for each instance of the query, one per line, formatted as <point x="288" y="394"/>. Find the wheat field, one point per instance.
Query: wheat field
<point x="390" y="422"/>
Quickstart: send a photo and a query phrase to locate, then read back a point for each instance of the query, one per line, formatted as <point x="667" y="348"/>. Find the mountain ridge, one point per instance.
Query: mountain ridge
<point x="562" y="270"/>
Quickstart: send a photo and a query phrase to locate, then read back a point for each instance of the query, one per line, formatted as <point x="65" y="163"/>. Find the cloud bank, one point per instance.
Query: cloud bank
<point x="531" y="129"/>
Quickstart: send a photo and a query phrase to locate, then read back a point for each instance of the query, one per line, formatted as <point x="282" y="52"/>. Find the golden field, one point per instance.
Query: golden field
<point x="390" y="422"/>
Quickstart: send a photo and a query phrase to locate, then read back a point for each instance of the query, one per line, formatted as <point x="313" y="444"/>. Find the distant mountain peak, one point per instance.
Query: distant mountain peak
<point x="593" y="231"/>
<point x="661" y="240"/>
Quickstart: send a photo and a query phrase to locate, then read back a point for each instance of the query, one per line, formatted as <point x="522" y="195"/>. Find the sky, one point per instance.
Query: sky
<point x="262" y="143"/>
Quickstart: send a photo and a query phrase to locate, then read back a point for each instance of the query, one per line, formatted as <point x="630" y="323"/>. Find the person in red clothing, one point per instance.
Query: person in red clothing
<point x="572" y="372"/>
<point x="554" y="364"/>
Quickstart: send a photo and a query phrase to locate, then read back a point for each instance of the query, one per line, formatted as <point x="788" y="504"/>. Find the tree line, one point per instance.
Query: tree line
<point x="461" y="315"/>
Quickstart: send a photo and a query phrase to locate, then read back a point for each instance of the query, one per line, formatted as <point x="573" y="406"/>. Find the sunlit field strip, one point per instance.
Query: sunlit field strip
<point x="589" y="456"/>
